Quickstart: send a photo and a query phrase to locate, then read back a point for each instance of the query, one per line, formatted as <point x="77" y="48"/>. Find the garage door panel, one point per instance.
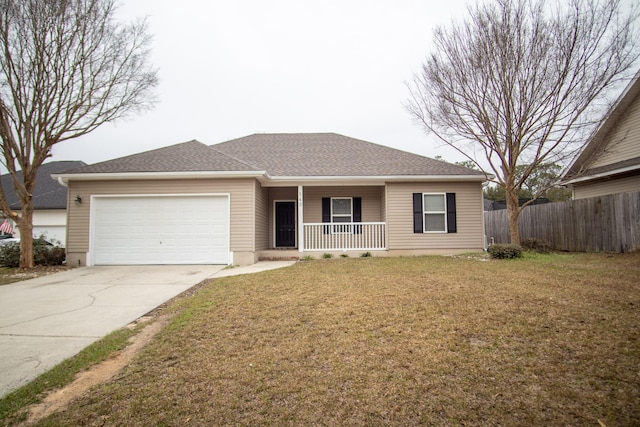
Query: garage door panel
<point x="161" y="230"/>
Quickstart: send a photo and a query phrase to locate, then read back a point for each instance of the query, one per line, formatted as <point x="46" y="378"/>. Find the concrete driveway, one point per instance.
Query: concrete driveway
<point x="46" y="320"/>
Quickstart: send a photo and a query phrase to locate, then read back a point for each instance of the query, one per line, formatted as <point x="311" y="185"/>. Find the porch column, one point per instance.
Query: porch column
<point x="300" y="220"/>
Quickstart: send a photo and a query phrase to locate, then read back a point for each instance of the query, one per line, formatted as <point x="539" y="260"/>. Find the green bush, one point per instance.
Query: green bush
<point x="365" y="255"/>
<point x="502" y="251"/>
<point x="10" y="255"/>
<point x="327" y="255"/>
<point x="44" y="253"/>
<point x="48" y="255"/>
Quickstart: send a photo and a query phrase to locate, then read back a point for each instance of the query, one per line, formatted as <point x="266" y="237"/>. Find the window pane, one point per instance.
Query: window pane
<point x="341" y="206"/>
<point x="434" y="222"/>
<point x="341" y="219"/>
<point x="434" y="202"/>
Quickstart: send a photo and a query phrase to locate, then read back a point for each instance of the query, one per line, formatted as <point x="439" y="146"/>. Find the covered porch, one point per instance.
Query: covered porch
<point x="327" y="218"/>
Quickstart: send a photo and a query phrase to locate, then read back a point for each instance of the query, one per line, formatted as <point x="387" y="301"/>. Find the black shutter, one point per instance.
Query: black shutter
<point x="326" y="209"/>
<point x="357" y="214"/>
<point x="417" y="212"/>
<point x="451" y="213"/>
<point x="326" y="214"/>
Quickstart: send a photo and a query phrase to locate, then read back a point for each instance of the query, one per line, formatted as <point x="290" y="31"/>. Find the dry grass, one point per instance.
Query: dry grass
<point x="547" y="340"/>
<point x="11" y="275"/>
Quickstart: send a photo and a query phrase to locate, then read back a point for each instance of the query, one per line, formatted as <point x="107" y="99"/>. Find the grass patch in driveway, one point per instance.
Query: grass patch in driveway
<point x="544" y="340"/>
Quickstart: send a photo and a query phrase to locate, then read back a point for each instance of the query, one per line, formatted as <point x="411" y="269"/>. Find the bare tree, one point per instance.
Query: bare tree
<point x="66" y="67"/>
<point x="519" y="82"/>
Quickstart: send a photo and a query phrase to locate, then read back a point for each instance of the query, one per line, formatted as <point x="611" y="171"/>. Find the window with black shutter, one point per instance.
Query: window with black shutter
<point x="434" y="213"/>
<point x="341" y="212"/>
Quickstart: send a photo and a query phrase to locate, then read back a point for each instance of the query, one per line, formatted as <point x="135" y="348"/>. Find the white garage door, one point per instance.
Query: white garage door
<point x="136" y="230"/>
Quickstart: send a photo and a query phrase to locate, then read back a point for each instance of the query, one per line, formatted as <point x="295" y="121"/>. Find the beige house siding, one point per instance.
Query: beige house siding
<point x="400" y="235"/>
<point x="371" y="201"/>
<point x="604" y="187"/>
<point x="261" y="217"/>
<point x="241" y="198"/>
<point x="623" y="140"/>
<point x="383" y="205"/>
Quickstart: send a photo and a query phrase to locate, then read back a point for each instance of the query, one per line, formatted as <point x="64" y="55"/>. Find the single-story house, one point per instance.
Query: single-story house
<point x="49" y="201"/>
<point x="609" y="162"/>
<point x="270" y="196"/>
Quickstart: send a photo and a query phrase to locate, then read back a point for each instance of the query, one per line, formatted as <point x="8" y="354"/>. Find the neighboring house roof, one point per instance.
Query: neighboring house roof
<point x="580" y="168"/>
<point x="48" y="193"/>
<point x="307" y="155"/>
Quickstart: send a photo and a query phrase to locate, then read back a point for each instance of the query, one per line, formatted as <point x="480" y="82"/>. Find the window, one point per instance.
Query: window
<point x="341" y="211"/>
<point x="435" y="213"/>
<point x="345" y="210"/>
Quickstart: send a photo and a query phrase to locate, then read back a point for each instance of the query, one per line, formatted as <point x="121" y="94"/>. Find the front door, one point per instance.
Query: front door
<point x="285" y="224"/>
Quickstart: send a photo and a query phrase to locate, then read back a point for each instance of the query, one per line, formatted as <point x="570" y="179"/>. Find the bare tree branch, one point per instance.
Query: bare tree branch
<point x="66" y="68"/>
<point x="524" y="81"/>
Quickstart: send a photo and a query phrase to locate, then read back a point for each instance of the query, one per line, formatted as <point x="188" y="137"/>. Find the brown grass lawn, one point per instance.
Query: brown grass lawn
<point x="546" y="340"/>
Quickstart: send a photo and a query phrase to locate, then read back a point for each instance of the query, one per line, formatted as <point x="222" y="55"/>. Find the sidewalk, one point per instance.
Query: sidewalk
<point x="254" y="268"/>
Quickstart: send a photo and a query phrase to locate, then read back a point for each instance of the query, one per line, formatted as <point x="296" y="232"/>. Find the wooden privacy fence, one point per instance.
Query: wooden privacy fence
<point x="599" y="224"/>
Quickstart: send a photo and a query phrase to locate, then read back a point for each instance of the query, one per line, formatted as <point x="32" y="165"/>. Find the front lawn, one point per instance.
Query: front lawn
<point x="544" y="340"/>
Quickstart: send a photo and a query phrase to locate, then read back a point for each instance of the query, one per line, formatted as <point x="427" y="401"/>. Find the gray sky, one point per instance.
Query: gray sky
<point x="233" y="68"/>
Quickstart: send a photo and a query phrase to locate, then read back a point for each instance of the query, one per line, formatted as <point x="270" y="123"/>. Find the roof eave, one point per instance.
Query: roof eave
<point x="601" y="175"/>
<point x="120" y="176"/>
<point x="280" y="181"/>
<point x="264" y="178"/>
<point x="598" y="135"/>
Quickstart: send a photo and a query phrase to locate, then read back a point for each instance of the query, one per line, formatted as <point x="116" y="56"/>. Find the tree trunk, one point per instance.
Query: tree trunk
<point x="513" y="213"/>
<point x="25" y="223"/>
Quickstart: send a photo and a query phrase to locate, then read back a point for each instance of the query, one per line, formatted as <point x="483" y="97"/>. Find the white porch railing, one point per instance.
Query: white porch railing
<point x="345" y="236"/>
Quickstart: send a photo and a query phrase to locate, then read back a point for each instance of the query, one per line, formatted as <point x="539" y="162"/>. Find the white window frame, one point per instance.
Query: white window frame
<point x="432" y="212"/>
<point x="342" y="227"/>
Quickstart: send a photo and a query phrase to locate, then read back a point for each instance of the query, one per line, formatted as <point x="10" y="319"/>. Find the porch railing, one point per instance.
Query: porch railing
<point x="345" y="236"/>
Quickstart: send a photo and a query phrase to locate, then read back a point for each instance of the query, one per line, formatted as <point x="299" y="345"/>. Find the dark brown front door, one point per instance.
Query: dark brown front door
<point x="285" y="224"/>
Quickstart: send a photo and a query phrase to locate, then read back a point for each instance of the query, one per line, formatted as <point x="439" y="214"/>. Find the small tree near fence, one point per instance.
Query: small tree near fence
<point x="599" y="224"/>
<point x="520" y="83"/>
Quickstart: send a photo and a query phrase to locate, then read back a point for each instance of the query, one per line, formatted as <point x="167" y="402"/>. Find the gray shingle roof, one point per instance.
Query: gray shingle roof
<point x="48" y="193"/>
<point x="284" y="155"/>
<point x="191" y="156"/>
<point x="330" y="154"/>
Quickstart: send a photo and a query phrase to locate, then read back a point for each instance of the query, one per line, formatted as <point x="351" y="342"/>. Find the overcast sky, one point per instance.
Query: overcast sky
<point x="233" y="68"/>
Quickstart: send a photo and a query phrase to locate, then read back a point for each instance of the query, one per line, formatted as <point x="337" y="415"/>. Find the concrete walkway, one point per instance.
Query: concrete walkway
<point x="46" y="320"/>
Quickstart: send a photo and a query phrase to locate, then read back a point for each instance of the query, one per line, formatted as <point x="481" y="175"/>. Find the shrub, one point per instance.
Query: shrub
<point x="327" y="255"/>
<point x="44" y="253"/>
<point x="365" y="255"/>
<point x="344" y="255"/>
<point x="537" y="245"/>
<point x="307" y="258"/>
<point x="10" y="255"/>
<point x="501" y="251"/>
